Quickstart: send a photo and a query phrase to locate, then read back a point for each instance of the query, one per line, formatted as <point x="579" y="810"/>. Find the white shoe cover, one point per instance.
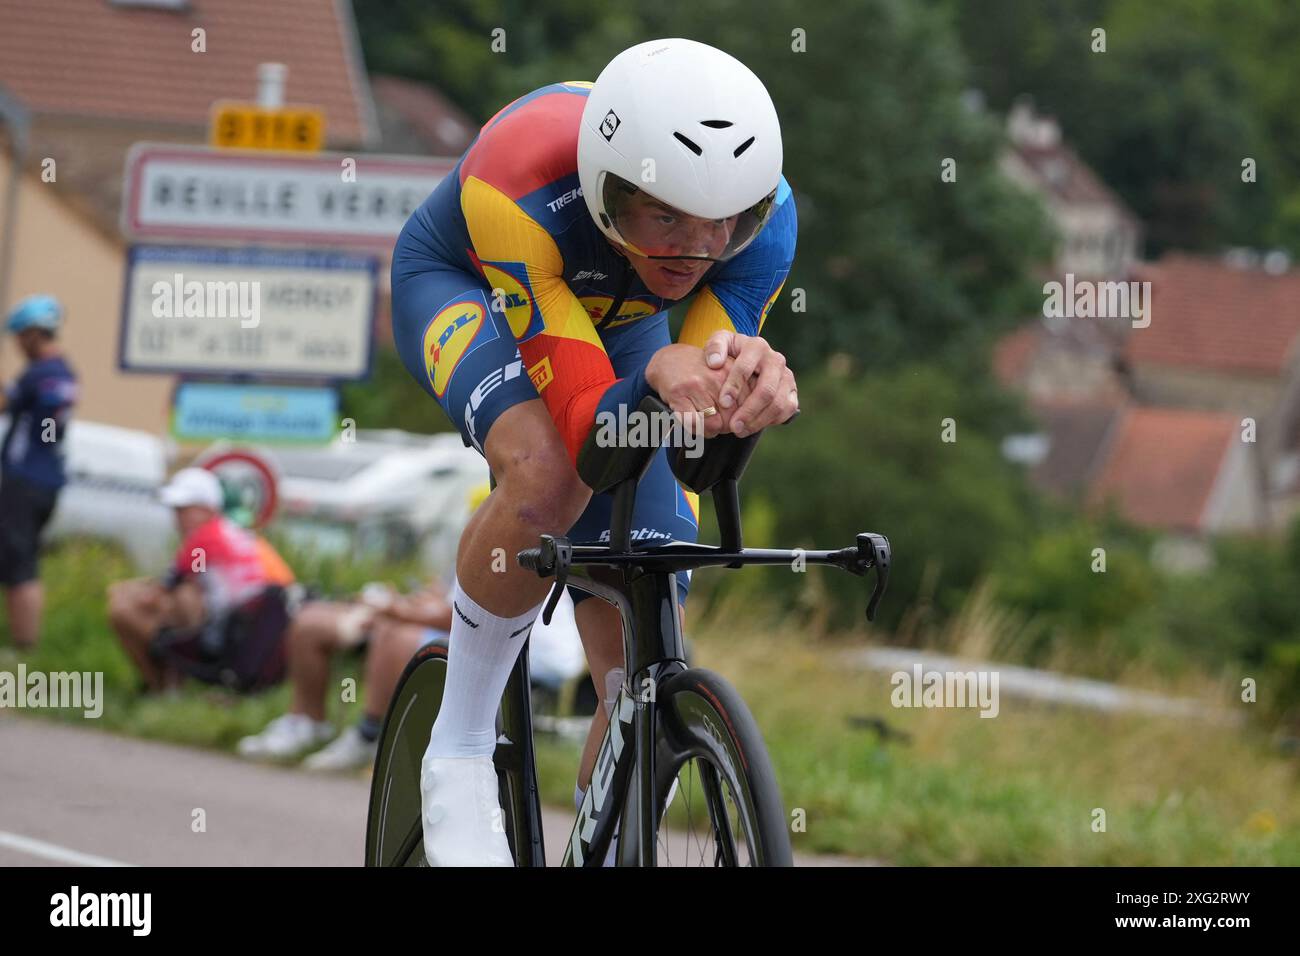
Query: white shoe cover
<point x="461" y="813"/>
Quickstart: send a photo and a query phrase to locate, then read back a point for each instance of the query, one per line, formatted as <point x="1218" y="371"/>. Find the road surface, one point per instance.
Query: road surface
<point x="85" y="797"/>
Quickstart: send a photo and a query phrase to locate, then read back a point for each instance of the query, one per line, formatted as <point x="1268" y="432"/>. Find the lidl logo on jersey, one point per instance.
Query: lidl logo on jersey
<point x="458" y="329"/>
<point x="512" y="292"/>
<point x="688" y="505"/>
<point x="632" y="309"/>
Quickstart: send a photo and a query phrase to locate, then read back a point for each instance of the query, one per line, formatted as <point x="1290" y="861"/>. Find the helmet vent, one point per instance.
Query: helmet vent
<point x="743" y="146"/>
<point x="688" y="144"/>
<point x="716" y="124"/>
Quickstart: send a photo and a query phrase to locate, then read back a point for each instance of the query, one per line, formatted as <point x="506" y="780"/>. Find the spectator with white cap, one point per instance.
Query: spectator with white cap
<point x="217" y="567"/>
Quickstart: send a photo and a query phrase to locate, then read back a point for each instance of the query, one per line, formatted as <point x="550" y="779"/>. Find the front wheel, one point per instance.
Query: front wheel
<point x="726" y="809"/>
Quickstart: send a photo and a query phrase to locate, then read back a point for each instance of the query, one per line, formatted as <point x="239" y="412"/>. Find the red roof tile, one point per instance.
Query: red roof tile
<point x="96" y="58"/>
<point x="1210" y="315"/>
<point x="441" y="127"/>
<point x="1162" y="465"/>
<point x="1013" y="353"/>
<point x="1078" y="433"/>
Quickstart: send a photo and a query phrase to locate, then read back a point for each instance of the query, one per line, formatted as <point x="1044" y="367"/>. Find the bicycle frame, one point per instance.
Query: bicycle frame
<point x="653" y="598"/>
<point x="622" y="787"/>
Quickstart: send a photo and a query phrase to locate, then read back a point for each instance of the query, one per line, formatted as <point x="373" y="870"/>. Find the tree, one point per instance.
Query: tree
<point x="893" y="262"/>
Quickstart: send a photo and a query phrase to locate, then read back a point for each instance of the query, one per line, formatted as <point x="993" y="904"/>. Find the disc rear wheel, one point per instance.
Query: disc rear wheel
<point x="394" y="833"/>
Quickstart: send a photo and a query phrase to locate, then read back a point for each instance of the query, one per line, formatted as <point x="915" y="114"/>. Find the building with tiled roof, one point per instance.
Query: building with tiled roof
<point x="80" y="81"/>
<point x="1211" y="316"/>
<point x="1099" y="236"/>
<point x="1179" y="470"/>
<point x="136" y="60"/>
<point x="1223" y="338"/>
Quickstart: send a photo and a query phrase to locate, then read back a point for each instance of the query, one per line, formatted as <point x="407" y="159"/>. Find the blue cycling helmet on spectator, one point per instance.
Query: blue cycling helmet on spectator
<point x="36" y="312"/>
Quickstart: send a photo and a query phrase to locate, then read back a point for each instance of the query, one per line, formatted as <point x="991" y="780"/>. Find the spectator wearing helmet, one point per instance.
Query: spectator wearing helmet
<point x="31" y="458"/>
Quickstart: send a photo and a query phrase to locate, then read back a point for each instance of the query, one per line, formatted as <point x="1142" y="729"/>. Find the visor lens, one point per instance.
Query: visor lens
<point x="657" y="230"/>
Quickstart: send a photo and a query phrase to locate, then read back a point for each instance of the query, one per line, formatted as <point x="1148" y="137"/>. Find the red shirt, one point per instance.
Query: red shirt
<point x="231" y="564"/>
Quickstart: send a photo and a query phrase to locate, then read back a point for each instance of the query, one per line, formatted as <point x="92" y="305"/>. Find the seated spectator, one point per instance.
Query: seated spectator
<point x="219" y="566"/>
<point x="395" y="627"/>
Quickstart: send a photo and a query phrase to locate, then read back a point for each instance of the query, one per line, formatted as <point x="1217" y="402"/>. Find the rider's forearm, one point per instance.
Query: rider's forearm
<point x="627" y="392"/>
<point x="578" y="413"/>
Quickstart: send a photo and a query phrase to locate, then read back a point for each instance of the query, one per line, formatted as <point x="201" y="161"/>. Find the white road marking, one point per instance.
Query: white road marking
<point x="51" y="851"/>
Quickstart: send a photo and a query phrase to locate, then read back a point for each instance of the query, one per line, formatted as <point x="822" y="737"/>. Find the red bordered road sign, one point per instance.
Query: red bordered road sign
<point x="202" y="194"/>
<point x="253" y="477"/>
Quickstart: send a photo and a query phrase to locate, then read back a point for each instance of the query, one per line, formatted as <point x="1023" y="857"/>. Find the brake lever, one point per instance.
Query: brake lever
<point x="879" y="555"/>
<point x="556" y="558"/>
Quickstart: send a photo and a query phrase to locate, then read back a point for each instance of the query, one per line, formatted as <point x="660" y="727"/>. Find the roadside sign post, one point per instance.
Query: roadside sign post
<point x="199" y="194"/>
<point x="212" y="411"/>
<point x="291" y="236"/>
<point x="279" y="314"/>
<point x="250" y="126"/>
<point x="255" y="271"/>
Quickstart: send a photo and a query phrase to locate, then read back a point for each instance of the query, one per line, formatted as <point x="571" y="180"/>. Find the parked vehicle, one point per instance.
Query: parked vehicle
<point x="391" y="495"/>
<point x="386" y="495"/>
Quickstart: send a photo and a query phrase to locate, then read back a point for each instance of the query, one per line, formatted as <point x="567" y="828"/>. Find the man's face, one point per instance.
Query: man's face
<point x="30" y="342"/>
<point x="189" y="517"/>
<point x="658" y="229"/>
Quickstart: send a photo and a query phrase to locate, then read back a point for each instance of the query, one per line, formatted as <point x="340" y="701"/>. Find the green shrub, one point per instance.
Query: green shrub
<point x="1059" y="582"/>
<point x="867" y="455"/>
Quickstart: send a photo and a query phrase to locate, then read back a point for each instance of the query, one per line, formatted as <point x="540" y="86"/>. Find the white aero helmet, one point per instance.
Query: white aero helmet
<point x="679" y="152"/>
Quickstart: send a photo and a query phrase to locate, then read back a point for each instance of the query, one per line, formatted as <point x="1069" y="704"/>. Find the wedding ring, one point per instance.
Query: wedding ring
<point x="706" y="412"/>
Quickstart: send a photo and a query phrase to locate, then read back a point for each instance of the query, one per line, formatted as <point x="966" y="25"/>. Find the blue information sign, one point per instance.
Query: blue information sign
<point x="272" y="414"/>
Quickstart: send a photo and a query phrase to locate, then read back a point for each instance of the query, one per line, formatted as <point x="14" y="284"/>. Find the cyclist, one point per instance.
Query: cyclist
<point x="527" y="313"/>
<point x="39" y="403"/>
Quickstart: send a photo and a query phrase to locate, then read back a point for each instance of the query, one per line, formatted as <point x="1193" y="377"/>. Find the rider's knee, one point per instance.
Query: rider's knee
<point x="536" y="477"/>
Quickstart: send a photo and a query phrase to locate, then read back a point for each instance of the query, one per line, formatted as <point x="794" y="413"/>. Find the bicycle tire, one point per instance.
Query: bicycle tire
<point x="394" y="833"/>
<point x="704" y="723"/>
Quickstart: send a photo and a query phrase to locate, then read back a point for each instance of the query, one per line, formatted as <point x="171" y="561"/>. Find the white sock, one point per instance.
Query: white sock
<point x="480" y="653"/>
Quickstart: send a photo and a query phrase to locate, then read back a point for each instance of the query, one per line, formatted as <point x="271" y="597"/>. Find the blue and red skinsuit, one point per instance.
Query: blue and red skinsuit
<point x="502" y="286"/>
